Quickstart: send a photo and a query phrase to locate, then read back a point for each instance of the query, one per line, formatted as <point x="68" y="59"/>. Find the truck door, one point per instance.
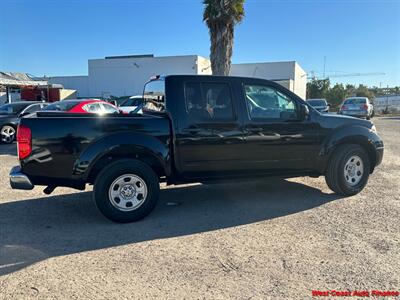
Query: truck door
<point x="276" y="138"/>
<point x="210" y="138"/>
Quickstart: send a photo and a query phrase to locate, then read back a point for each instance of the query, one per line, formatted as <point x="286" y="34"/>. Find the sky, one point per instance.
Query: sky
<point x="55" y="38"/>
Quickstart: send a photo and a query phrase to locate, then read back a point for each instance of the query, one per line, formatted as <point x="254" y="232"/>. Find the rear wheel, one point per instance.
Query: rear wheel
<point x="7" y="134"/>
<point x="348" y="170"/>
<point x="126" y="191"/>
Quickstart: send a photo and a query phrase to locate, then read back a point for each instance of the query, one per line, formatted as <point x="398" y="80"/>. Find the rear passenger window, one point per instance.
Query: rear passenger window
<point x="92" y="108"/>
<point x="208" y="101"/>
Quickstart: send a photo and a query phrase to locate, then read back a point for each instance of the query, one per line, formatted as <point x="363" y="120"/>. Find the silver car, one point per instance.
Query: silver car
<point x="132" y="104"/>
<point x="359" y="107"/>
<point x="319" y="104"/>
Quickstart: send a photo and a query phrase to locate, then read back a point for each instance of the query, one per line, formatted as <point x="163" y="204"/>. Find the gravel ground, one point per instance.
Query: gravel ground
<point x="264" y="239"/>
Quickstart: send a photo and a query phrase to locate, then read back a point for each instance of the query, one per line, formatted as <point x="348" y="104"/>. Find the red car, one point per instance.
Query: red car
<point x="84" y="106"/>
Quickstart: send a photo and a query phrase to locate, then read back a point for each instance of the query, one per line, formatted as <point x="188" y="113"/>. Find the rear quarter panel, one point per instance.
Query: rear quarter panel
<point x="60" y="143"/>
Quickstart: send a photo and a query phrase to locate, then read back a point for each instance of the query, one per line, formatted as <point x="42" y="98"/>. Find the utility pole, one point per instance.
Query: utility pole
<point x="387" y="99"/>
<point x="324" y="66"/>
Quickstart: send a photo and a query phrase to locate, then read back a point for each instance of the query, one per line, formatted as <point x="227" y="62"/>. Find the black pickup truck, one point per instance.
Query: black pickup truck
<point x="193" y="129"/>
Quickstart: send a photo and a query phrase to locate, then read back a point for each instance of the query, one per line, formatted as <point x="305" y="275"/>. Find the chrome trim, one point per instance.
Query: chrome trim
<point x="19" y="180"/>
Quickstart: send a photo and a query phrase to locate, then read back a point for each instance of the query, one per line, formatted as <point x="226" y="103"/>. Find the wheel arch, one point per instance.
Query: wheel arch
<point x="142" y="147"/>
<point x="356" y="135"/>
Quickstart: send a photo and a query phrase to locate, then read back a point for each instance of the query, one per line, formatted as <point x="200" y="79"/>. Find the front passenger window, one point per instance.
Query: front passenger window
<point x="264" y="102"/>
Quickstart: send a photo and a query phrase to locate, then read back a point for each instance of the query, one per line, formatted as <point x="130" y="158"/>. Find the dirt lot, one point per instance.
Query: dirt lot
<point x="266" y="239"/>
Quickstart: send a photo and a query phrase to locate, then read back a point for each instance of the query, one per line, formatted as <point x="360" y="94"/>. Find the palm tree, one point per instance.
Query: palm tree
<point x="221" y="16"/>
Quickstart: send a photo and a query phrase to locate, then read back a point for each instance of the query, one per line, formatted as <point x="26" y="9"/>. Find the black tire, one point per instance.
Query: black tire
<point x="335" y="177"/>
<point x="107" y="177"/>
<point x="12" y="138"/>
<point x="368" y="117"/>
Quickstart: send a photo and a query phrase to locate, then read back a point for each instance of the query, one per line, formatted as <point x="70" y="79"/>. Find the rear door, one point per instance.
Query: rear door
<point x="210" y="138"/>
<point x="276" y="138"/>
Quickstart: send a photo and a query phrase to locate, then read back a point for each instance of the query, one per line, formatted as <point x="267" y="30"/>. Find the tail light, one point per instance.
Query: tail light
<point x="24" y="140"/>
<point x="343" y="107"/>
<point x="364" y="106"/>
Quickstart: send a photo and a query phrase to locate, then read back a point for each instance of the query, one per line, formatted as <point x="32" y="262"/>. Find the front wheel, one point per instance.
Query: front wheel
<point x="126" y="191"/>
<point x="348" y="170"/>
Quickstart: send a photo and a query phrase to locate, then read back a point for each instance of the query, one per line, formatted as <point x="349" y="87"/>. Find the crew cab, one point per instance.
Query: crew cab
<point x="193" y="129"/>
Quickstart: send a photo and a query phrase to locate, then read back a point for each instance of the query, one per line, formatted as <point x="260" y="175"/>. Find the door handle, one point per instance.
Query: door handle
<point x="255" y="129"/>
<point x="192" y="130"/>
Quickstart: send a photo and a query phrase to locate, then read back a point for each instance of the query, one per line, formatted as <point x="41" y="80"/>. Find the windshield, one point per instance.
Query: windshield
<point x="355" y="101"/>
<point x="61" y="105"/>
<point x="12" y="108"/>
<point x="132" y="102"/>
<point x="317" y="102"/>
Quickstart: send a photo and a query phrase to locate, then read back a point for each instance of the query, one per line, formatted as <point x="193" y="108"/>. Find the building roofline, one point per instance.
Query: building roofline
<point x="127" y="57"/>
<point x="266" y="62"/>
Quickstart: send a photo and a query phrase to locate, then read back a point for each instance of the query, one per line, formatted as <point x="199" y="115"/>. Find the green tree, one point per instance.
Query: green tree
<point x="364" y="91"/>
<point x="336" y="95"/>
<point x="317" y="88"/>
<point x="221" y="16"/>
<point x="350" y="90"/>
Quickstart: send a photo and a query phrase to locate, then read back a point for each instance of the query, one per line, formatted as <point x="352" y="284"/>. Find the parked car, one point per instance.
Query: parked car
<point x="132" y="104"/>
<point x="10" y="115"/>
<point x="194" y="129"/>
<point x="357" y="107"/>
<point x="84" y="106"/>
<point x="116" y="101"/>
<point x="319" y="104"/>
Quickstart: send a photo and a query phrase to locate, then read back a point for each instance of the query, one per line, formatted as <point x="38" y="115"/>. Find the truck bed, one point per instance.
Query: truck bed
<point x="66" y="144"/>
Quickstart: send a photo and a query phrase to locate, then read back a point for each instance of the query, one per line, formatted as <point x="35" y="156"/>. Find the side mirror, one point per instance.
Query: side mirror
<point x="329" y="105"/>
<point x="304" y="112"/>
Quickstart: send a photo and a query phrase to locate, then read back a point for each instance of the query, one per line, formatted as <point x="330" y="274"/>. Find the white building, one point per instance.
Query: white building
<point x="287" y="73"/>
<point x="126" y="75"/>
<point x="389" y="103"/>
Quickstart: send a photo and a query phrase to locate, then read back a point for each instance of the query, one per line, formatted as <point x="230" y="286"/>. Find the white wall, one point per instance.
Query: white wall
<point x="300" y="81"/>
<point x="289" y="84"/>
<point x="391" y="102"/>
<point x="289" y="71"/>
<point x="78" y="83"/>
<point x="127" y="76"/>
<point x="67" y="94"/>
<point x="203" y="66"/>
<point x="270" y="70"/>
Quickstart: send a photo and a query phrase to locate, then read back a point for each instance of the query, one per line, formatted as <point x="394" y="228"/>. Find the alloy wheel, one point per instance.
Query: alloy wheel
<point x="7" y="134"/>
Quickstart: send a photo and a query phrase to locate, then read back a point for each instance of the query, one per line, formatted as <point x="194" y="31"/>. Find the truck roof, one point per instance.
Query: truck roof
<point x="196" y="77"/>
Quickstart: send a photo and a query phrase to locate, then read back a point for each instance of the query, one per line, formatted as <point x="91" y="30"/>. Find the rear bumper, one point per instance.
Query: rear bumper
<point x="355" y="113"/>
<point x="19" y="180"/>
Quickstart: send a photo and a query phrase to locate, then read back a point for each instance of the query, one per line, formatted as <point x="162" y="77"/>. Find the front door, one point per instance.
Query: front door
<point x="276" y="137"/>
<point x="210" y="139"/>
